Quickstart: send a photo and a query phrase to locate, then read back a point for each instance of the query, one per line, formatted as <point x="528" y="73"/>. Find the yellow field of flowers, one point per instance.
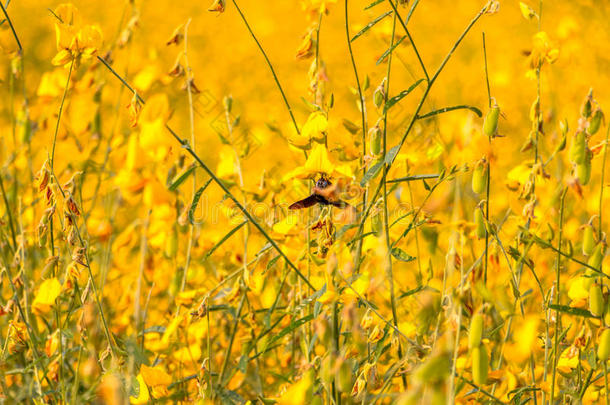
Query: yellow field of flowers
<point x="304" y="202"/>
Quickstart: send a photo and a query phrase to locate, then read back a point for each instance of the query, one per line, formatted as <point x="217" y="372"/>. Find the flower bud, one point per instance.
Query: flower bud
<point x="480" y="365"/>
<point x="490" y="125"/>
<point x="596" y="258"/>
<point x="583" y="170"/>
<point x="588" y="240"/>
<point x="603" y="350"/>
<point x="578" y="151"/>
<point x="375" y="140"/>
<point x="479" y="176"/>
<point x="475" y="333"/>
<point x="596" y="122"/>
<point x="479" y="222"/>
<point x="596" y="300"/>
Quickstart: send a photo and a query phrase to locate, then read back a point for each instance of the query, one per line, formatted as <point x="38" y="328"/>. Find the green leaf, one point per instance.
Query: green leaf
<point x="411" y="292"/>
<point x="180" y="179"/>
<point x="370" y="25"/>
<point x="572" y="311"/>
<point x="373" y="4"/>
<point x="224" y="239"/>
<point x="400" y="96"/>
<point x="447" y="109"/>
<point x="195" y="201"/>
<point x="413" y="178"/>
<point x="389" y="50"/>
<point x="272" y="262"/>
<point x="401" y="255"/>
<point x="293" y="325"/>
<point x="389" y="157"/>
<point x="371" y="173"/>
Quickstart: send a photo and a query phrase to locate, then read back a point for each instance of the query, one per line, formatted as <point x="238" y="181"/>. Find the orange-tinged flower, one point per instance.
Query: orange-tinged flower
<point x="218" y="6"/>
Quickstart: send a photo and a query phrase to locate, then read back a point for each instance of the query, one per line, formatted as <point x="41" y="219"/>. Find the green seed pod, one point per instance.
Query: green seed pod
<point x="345" y="377"/>
<point x="479" y="222"/>
<point x="378" y="97"/>
<point x="596" y="122"/>
<point x="596" y="258"/>
<point x="326" y="370"/>
<point x="603" y="350"/>
<point x="479" y="365"/>
<point x="490" y="125"/>
<point x="475" y="333"/>
<point x="479" y="176"/>
<point x="375" y="140"/>
<point x="596" y="300"/>
<point x="583" y="172"/>
<point x="578" y="151"/>
<point x="607" y="313"/>
<point x="588" y="240"/>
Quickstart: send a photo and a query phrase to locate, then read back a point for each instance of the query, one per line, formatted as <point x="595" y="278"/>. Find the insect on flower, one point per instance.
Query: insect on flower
<point x="324" y="193"/>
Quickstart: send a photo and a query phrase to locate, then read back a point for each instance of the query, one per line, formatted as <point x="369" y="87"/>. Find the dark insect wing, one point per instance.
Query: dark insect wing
<point x="305" y="203"/>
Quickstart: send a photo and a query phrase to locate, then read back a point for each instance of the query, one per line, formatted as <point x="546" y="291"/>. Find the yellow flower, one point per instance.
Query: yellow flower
<point x="143" y="396"/>
<point x="296" y="394"/>
<point x="157" y="379"/>
<point x="45" y="298"/>
<point x="543" y="50"/>
<point x="72" y="38"/>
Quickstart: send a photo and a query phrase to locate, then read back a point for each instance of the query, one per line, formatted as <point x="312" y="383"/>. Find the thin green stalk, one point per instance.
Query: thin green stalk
<point x="363" y="114"/>
<point x="386" y="219"/>
<point x="277" y="81"/>
<point x="558" y="294"/>
<point x="404" y="26"/>
<point x="488" y="168"/>
<point x="61" y="108"/>
<point x="224" y="188"/>
<point x="601" y="186"/>
<point x="231" y="340"/>
<point x="189" y="78"/>
<point x="10" y="23"/>
<point x="9" y="214"/>
<point x="414" y="118"/>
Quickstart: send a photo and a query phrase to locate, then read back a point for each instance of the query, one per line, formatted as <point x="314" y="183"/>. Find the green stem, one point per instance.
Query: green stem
<point x="601" y="185"/>
<point x="404" y="26"/>
<point x="10" y="23"/>
<point x="557" y="294"/>
<point x="277" y="81"/>
<point x="61" y="108"/>
<point x="386" y="219"/>
<point x="215" y="178"/>
<point x="8" y="212"/>
<point x="363" y="113"/>
<point x="233" y="334"/>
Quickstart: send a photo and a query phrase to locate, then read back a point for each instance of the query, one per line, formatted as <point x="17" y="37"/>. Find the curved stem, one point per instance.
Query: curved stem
<point x="277" y="81"/>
